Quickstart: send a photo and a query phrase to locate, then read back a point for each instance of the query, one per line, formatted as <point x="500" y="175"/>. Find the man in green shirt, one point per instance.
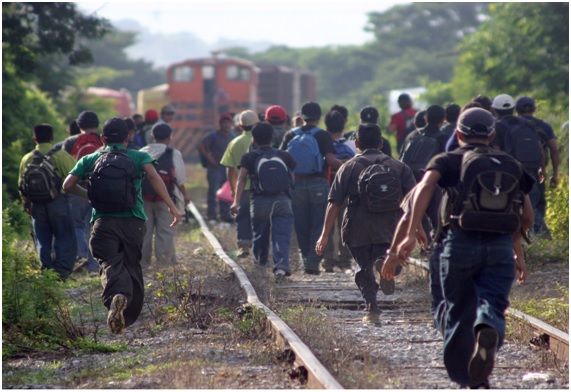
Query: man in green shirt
<point x="117" y="237"/>
<point x="51" y="221"/>
<point x="231" y="159"/>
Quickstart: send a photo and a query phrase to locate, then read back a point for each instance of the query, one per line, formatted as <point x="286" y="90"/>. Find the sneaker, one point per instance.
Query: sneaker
<point x="387" y="286"/>
<point x="482" y="362"/>
<point x="280" y="275"/>
<point x="115" y="318"/>
<point x="80" y="263"/>
<point x="311" y="272"/>
<point x="243" y="252"/>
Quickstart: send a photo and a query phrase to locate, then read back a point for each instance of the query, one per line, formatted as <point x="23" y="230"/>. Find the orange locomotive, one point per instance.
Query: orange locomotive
<point x="202" y="89"/>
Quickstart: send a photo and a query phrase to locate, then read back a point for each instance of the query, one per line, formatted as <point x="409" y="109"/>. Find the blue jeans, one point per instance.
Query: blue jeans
<point x="81" y="214"/>
<point x="477" y="270"/>
<point x="53" y="224"/>
<point x="309" y="202"/>
<point x="216" y="177"/>
<point x="365" y="256"/>
<point x="244" y="220"/>
<point x="272" y="214"/>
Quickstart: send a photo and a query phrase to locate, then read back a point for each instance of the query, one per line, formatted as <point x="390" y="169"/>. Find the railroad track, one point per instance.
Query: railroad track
<point x="406" y="345"/>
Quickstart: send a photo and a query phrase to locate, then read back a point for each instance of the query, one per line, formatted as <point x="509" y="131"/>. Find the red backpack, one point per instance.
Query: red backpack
<point x="86" y="144"/>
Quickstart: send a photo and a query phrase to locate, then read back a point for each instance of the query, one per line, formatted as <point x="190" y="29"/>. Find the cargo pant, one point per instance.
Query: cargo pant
<point x="116" y="244"/>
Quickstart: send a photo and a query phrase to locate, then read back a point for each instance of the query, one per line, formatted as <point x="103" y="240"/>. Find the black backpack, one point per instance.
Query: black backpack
<point x="523" y="142"/>
<point x="40" y="183"/>
<point x="111" y="184"/>
<point x="409" y="125"/>
<point x="488" y="197"/>
<point x="165" y="169"/>
<point x="271" y="175"/>
<point x="418" y="152"/>
<point x="379" y="185"/>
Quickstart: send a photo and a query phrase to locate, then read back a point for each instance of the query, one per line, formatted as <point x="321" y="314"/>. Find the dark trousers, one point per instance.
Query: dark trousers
<point x="116" y="244"/>
<point x="365" y="256"/>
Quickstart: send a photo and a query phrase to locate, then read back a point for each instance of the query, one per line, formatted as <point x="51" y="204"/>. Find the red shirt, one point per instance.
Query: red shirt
<point x="399" y="120"/>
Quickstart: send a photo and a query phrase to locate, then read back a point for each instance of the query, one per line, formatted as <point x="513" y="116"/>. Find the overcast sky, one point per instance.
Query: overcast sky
<point x="295" y="23"/>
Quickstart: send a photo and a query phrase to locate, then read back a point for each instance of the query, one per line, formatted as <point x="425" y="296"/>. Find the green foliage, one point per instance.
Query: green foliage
<point x="554" y="311"/>
<point x="523" y="47"/>
<point x="32" y="30"/>
<point x="557" y="214"/>
<point x="23" y="107"/>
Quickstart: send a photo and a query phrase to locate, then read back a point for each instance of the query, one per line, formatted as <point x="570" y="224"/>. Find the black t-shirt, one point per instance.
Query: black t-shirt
<point x="324" y="141"/>
<point x="361" y="227"/>
<point x="248" y="161"/>
<point x="431" y="131"/>
<point x="449" y="164"/>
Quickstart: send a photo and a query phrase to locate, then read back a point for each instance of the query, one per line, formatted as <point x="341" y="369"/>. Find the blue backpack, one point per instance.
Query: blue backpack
<point x="271" y="176"/>
<point x="342" y="151"/>
<point x="305" y="151"/>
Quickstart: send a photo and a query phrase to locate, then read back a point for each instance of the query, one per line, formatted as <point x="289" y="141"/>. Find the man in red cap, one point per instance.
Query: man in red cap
<point x="276" y="115"/>
<point x="211" y="151"/>
<point x="144" y="136"/>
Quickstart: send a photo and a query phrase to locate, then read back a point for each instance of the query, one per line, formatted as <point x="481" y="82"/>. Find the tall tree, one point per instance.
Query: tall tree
<point x="522" y="48"/>
<point x="32" y="30"/>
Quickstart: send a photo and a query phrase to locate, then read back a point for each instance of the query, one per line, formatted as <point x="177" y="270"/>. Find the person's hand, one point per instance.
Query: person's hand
<point x="540" y="175"/>
<point x="234" y="208"/>
<point x="321" y="244"/>
<point x="176" y="216"/>
<point x="186" y="200"/>
<point x="391" y="263"/>
<point x="406" y="247"/>
<point x="421" y="238"/>
<point x="553" y="181"/>
<point x="521" y="270"/>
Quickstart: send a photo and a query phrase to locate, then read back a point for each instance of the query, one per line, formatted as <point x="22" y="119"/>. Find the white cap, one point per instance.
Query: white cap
<point x="503" y="102"/>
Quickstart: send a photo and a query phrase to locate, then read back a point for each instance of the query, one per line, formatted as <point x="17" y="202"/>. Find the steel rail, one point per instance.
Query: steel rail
<point x="550" y="337"/>
<point x="318" y="377"/>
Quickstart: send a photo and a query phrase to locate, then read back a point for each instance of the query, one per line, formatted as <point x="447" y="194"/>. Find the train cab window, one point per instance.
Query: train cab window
<point x="183" y="73"/>
<point x="208" y="72"/>
<point x="234" y="72"/>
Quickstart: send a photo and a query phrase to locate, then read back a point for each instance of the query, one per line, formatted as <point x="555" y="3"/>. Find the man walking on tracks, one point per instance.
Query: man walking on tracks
<point x="522" y="140"/>
<point x="211" y="151"/>
<point x="114" y="190"/>
<point x="402" y="123"/>
<point x="313" y="150"/>
<point x="170" y="167"/>
<point x="485" y="192"/>
<point x="525" y="107"/>
<point x="375" y="184"/>
<point x="41" y="175"/>
<point x="79" y="145"/>
<point x="231" y="160"/>
<point x="420" y="146"/>
<point x="270" y="172"/>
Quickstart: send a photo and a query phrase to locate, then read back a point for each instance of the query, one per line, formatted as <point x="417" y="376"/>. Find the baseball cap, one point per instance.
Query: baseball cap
<point x="524" y="101"/>
<point x="161" y="131"/>
<point x="225" y="116"/>
<point x="311" y="111"/>
<point x="369" y="114"/>
<point x="276" y="114"/>
<point x="248" y="118"/>
<point x="168" y="109"/>
<point x="115" y="130"/>
<point x="503" y="102"/>
<point x="87" y="120"/>
<point x="151" y="115"/>
<point x="476" y="122"/>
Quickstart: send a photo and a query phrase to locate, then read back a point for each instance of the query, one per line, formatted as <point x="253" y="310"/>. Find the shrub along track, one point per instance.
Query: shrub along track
<point x="405" y="350"/>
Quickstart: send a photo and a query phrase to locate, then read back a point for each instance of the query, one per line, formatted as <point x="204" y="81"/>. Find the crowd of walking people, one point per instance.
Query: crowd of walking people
<point x="468" y="185"/>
